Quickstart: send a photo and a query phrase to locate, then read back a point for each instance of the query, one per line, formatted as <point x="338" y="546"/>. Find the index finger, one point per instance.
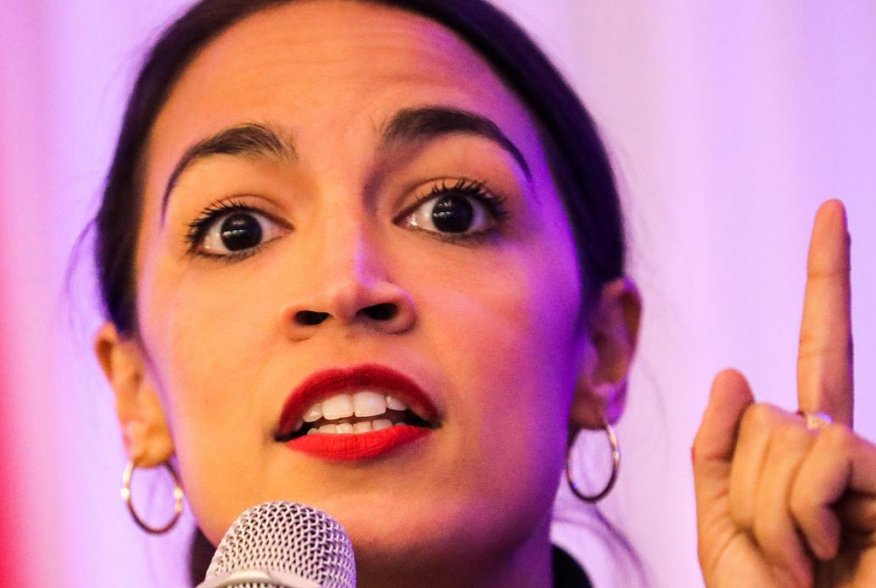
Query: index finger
<point x="824" y="363"/>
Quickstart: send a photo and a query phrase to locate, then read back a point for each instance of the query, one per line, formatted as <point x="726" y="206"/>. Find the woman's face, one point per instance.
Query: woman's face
<point x="334" y="185"/>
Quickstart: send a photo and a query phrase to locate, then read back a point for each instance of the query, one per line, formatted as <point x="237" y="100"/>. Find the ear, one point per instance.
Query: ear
<point x="147" y="438"/>
<point x="609" y="347"/>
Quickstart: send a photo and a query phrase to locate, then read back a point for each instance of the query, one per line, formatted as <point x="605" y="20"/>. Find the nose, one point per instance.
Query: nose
<point x="349" y="286"/>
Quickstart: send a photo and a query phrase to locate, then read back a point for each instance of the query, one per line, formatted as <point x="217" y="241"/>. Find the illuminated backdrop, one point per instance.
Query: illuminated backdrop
<point x="728" y="123"/>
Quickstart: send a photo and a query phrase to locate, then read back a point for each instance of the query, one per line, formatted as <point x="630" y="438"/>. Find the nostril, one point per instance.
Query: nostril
<point x="310" y="317"/>
<point x="381" y="312"/>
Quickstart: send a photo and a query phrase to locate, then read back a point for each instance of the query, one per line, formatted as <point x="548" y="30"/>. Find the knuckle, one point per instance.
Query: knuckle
<point x="802" y="504"/>
<point x="767" y="532"/>
<point x="790" y="434"/>
<point x="759" y="417"/>
<point x="826" y="274"/>
<point x="741" y="510"/>
<point x="837" y="438"/>
<point x="809" y="347"/>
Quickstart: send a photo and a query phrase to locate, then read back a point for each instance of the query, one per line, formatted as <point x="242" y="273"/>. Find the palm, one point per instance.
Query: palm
<point x="780" y="503"/>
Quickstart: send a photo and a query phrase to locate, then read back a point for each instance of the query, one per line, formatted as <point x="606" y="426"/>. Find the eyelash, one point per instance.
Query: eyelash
<point x="198" y="228"/>
<point x="476" y="190"/>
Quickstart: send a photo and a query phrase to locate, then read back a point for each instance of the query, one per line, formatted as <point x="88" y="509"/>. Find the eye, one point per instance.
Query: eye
<point x="232" y="231"/>
<point x="465" y="208"/>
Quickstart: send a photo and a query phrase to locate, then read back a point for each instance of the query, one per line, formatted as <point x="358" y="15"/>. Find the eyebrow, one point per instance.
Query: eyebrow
<point x="410" y="125"/>
<point x="248" y="140"/>
<point x="422" y="124"/>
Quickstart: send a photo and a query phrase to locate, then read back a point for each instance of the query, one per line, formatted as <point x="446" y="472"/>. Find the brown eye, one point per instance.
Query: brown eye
<point x="238" y="231"/>
<point x="452" y="213"/>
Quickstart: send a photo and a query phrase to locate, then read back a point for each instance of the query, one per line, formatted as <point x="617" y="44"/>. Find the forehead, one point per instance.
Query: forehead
<point x="330" y="62"/>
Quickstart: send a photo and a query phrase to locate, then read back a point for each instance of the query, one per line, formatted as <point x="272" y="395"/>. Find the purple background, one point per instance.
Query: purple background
<point x="728" y="123"/>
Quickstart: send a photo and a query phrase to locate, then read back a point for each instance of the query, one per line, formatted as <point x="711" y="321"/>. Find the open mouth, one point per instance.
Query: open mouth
<point x="354" y="413"/>
<point x="355" y="401"/>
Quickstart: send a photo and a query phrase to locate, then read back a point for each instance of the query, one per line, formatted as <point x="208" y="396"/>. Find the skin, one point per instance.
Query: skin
<point x="204" y="380"/>
<point x="492" y="329"/>
<point x="780" y="505"/>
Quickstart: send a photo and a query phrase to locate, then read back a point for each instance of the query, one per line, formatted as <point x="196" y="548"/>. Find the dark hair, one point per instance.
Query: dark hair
<point x="579" y="163"/>
<point x="577" y="157"/>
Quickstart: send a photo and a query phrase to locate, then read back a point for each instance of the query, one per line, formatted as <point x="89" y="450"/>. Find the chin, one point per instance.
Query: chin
<point x="437" y="533"/>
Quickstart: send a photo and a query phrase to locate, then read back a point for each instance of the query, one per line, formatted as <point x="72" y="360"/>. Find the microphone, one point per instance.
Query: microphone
<point x="283" y="545"/>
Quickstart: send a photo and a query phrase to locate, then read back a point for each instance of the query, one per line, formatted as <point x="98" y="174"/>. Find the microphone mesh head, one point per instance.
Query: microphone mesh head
<point x="291" y="538"/>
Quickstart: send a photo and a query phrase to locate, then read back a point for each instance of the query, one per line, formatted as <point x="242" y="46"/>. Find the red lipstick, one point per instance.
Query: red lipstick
<point x="347" y="447"/>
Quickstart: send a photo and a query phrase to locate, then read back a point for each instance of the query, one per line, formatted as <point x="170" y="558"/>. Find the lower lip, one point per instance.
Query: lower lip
<point x="352" y="447"/>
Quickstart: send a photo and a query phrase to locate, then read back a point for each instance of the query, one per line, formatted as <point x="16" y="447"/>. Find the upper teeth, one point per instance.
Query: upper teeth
<point x="361" y="404"/>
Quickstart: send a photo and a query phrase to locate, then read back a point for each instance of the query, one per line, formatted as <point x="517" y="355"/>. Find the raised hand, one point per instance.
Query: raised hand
<point x="780" y="503"/>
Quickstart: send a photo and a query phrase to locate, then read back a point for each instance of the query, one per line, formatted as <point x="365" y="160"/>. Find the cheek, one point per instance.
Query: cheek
<point x="506" y="333"/>
<point x="197" y="337"/>
<point x="206" y="354"/>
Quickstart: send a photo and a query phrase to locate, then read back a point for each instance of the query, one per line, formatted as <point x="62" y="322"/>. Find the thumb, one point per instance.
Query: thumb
<point x="712" y="455"/>
<point x="716" y="438"/>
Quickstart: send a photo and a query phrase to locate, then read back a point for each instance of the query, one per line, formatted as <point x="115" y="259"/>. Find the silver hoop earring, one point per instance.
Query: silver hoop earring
<point x="177" y="500"/>
<point x="615" y="466"/>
